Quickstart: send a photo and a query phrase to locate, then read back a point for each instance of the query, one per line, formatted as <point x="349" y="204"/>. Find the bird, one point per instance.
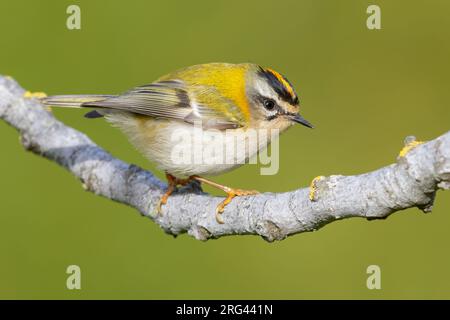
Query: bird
<point x="219" y="98"/>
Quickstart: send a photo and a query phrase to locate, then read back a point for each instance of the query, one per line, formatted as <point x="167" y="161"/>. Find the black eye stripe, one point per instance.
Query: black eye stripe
<point x="262" y="100"/>
<point x="279" y="88"/>
<point x="279" y="113"/>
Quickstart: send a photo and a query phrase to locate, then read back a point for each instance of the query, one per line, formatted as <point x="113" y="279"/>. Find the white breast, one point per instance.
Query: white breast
<point x="183" y="149"/>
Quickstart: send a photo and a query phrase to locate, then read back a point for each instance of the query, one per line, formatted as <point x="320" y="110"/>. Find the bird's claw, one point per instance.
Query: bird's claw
<point x="231" y="194"/>
<point x="172" y="185"/>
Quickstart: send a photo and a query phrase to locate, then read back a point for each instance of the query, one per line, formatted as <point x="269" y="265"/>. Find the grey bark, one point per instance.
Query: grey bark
<point x="410" y="182"/>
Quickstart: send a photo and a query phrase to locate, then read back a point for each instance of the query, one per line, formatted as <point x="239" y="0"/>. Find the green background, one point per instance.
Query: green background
<point x="364" y="90"/>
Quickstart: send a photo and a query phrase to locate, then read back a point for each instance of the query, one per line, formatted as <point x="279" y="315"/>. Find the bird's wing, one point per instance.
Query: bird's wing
<point x="170" y="99"/>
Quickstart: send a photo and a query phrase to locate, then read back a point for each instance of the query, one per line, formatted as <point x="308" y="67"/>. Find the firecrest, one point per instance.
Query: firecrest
<point x="207" y="98"/>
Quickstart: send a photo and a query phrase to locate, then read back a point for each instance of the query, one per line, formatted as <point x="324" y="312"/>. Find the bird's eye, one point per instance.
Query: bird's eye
<point x="269" y="104"/>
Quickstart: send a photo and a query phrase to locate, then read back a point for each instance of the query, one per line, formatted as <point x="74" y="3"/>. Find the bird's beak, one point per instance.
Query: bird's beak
<point x="299" y="119"/>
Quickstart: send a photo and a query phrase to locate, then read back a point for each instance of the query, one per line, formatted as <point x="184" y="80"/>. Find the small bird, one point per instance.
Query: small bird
<point x="213" y="97"/>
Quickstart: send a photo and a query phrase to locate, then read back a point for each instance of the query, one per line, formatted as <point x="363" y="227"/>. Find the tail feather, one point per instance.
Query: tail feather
<point x="73" y="101"/>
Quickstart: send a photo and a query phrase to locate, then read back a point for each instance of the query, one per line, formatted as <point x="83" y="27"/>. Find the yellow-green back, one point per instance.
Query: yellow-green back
<point x="220" y="86"/>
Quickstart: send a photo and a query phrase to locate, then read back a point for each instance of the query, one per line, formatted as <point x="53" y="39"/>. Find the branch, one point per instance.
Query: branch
<point x="420" y="171"/>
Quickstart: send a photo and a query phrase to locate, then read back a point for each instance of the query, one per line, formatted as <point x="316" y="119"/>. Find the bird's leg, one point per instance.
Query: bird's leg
<point x="172" y="182"/>
<point x="231" y="193"/>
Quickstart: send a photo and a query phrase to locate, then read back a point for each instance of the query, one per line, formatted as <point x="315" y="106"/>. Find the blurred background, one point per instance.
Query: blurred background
<point x="364" y="90"/>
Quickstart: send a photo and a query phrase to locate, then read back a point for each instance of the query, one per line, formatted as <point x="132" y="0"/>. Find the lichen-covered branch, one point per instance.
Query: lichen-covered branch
<point x="421" y="169"/>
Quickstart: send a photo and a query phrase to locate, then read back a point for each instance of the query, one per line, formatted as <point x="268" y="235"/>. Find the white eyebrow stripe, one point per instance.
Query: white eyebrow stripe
<point x="265" y="90"/>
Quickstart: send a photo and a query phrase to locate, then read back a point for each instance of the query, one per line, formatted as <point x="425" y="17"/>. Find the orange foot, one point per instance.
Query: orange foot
<point x="173" y="182"/>
<point x="231" y="193"/>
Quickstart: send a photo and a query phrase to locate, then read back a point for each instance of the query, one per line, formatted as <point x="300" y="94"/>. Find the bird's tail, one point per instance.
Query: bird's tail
<point x="74" y="100"/>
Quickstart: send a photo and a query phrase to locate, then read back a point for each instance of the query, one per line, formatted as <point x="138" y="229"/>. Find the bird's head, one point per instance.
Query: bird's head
<point x="272" y="100"/>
